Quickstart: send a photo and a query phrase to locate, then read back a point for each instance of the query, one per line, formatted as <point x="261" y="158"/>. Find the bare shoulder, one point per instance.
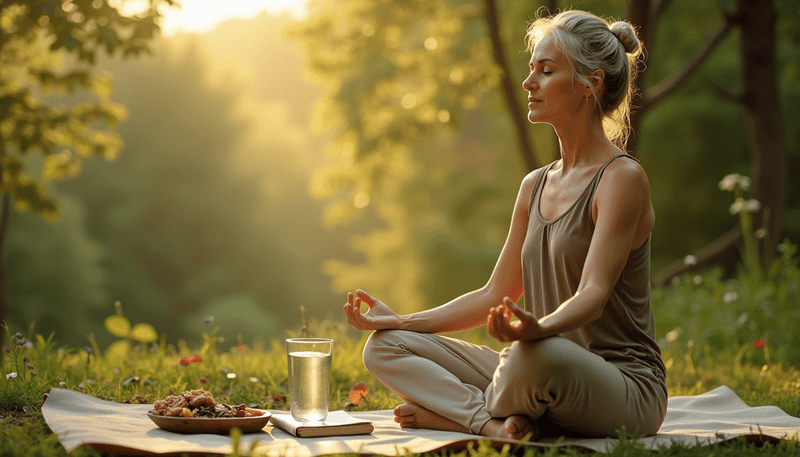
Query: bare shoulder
<point x="625" y="175"/>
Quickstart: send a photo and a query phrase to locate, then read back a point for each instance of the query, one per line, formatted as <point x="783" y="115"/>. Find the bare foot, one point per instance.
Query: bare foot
<point x="415" y="416"/>
<point x="514" y="427"/>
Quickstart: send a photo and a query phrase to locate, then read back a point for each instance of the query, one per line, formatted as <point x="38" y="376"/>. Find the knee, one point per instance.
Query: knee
<point x="538" y="362"/>
<point x="377" y="347"/>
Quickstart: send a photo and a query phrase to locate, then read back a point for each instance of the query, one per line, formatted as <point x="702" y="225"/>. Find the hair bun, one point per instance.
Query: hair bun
<point x="626" y="35"/>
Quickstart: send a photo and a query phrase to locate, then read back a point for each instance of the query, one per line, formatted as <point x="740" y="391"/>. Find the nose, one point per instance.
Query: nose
<point x="529" y="83"/>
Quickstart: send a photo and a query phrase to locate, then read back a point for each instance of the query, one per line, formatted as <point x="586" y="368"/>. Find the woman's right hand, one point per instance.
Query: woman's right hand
<point x="378" y="316"/>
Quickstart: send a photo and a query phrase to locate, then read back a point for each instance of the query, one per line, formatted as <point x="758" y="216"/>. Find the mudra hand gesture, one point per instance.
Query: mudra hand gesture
<point x="502" y="329"/>
<point x="378" y="316"/>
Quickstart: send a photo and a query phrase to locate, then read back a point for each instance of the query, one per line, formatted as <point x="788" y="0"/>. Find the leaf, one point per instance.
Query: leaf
<point x="357" y="392"/>
<point x="118" y="326"/>
<point x="144" y="333"/>
<point x="118" y="350"/>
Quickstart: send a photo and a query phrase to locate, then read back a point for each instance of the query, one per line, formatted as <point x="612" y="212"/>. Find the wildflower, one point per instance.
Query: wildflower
<point x="690" y="260"/>
<point x="12" y="375"/>
<point x="17" y="336"/>
<point x="673" y="334"/>
<point x="760" y="233"/>
<point x="88" y="350"/>
<point x="241" y="347"/>
<point x="730" y="296"/>
<point x="192" y="358"/>
<point x="203" y="381"/>
<point x="253" y="379"/>
<point x="208" y="319"/>
<point x="741" y="205"/>
<point x="697" y="280"/>
<point x="759" y="343"/>
<point x="732" y="181"/>
<point x="26" y="359"/>
<point x="22" y="341"/>
<point x="30" y="366"/>
<point x="231" y="375"/>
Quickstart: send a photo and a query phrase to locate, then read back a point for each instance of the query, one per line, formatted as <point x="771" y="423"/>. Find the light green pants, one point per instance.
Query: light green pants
<point x="552" y="378"/>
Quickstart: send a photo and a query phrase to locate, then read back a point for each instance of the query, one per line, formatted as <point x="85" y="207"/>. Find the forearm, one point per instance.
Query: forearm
<point x="463" y="313"/>
<point x="582" y="308"/>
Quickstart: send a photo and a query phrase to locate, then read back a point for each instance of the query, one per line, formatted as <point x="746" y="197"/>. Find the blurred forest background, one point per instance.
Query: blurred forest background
<point x="243" y="188"/>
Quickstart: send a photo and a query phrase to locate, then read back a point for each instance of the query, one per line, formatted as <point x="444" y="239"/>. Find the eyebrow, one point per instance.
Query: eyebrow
<point x="543" y="60"/>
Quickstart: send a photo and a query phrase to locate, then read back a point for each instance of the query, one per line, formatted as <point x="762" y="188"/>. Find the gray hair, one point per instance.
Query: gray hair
<point x="592" y="43"/>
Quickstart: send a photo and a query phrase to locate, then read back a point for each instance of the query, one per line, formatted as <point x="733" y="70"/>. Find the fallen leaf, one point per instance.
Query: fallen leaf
<point x="278" y="401"/>
<point x="357" y="392"/>
<point x="141" y="400"/>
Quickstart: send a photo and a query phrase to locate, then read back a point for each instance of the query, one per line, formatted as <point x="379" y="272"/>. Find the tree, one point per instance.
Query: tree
<point x="756" y="21"/>
<point x="47" y="49"/>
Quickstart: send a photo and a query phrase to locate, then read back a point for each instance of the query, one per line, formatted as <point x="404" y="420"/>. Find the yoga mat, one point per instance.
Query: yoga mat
<point x="124" y="429"/>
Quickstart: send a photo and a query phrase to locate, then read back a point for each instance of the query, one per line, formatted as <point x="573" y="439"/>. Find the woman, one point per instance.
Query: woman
<point x="583" y="356"/>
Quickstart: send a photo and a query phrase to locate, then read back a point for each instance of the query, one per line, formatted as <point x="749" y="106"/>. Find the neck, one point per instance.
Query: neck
<point x="583" y="142"/>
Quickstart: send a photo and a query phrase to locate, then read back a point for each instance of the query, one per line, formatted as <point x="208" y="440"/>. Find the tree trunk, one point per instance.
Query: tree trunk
<point x="763" y="117"/>
<point x="5" y="308"/>
<point x="511" y="94"/>
<point x="765" y="133"/>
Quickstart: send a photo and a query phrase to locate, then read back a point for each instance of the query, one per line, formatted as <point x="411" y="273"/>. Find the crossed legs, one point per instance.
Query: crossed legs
<point x="449" y="384"/>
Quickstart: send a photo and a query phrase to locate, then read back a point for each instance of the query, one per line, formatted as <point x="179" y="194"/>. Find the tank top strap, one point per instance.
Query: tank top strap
<point x="596" y="179"/>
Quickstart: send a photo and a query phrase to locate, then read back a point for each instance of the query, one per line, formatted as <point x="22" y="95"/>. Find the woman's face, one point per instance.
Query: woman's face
<point x="553" y="94"/>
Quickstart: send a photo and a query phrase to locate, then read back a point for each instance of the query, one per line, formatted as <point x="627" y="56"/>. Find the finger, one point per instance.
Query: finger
<point x="350" y="298"/>
<point x="519" y="312"/>
<point x="366" y="298"/>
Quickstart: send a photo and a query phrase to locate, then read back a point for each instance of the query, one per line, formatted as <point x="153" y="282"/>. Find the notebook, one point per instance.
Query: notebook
<point x="337" y="423"/>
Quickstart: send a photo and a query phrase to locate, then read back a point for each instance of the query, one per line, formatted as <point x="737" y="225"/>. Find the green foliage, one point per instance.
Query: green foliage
<point x="36" y="39"/>
<point x="119" y="326"/>
<point x="730" y="314"/>
<point x="205" y="212"/>
<point x="23" y="387"/>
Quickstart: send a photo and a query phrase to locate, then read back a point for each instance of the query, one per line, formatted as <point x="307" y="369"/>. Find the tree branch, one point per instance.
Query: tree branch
<point x="728" y="95"/>
<point x="508" y="86"/>
<point x="706" y="256"/>
<point x="672" y="82"/>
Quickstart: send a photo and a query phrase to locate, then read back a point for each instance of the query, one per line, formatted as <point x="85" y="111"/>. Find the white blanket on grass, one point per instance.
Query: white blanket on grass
<point x="82" y="420"/>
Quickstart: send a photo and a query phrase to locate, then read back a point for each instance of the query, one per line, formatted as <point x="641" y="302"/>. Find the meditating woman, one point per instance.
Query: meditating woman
<point x="583" y="356"/>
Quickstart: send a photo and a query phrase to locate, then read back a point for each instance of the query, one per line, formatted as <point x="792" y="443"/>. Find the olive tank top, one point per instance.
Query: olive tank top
<point x="553" y="256"/>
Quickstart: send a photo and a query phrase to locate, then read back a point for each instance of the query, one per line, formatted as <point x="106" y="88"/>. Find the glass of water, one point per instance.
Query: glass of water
<point x="309" y="377"/>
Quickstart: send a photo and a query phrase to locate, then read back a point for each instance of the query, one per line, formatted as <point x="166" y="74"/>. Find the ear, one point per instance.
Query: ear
<point x="596" y="78"/>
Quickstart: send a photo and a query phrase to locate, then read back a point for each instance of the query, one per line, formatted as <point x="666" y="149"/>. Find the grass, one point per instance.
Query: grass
<point x="256" y="375"/>
<point x="739" y="332"/>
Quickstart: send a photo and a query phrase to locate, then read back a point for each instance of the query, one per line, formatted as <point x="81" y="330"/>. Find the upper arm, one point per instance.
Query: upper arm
<point x="506" y="279"/>
<point x="623" y="217"/>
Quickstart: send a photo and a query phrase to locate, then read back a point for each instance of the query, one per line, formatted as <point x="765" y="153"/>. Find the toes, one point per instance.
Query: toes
<point x="405" y="410"/>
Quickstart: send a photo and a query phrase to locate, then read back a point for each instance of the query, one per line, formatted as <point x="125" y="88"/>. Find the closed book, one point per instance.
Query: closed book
<point x="337" y="423"/>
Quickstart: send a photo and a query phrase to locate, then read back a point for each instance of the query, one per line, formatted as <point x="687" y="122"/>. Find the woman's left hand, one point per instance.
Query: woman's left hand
<point x="501" y="328"/>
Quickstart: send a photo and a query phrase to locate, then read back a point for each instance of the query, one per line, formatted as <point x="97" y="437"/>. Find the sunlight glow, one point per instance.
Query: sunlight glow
<point x="203" y="15"/>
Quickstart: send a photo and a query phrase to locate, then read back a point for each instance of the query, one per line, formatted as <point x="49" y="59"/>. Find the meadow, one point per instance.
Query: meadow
<point x="713" y="331"/>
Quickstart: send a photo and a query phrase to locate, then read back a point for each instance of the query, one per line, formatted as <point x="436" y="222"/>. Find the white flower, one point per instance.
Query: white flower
<point x="732" y="181"/>
<point x="697" y="280"/>
<point x="690" y="260"/>
<point x="730" y="296"/>
<point x="12" y="375"/>
<point x="752" y="206"/>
